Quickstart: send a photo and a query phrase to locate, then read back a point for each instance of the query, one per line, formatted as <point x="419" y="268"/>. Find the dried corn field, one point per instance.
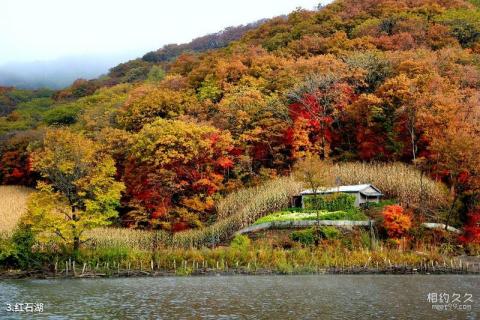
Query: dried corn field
<point x="242" y="208"/>
<point x="236" y="211"/>
<point x="13" y="203"/>
<point x="397" y="181"/>
<point x="120" y="237"/>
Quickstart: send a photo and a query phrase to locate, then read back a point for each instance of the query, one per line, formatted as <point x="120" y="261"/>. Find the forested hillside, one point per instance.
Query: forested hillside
<point x="373" y="80"/>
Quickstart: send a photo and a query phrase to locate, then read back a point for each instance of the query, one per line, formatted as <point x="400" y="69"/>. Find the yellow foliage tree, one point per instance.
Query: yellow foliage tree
<point x="79" y="191"/>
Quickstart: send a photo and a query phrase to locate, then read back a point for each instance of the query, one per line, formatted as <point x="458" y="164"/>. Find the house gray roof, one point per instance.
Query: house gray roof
<point x="365" y="189"/>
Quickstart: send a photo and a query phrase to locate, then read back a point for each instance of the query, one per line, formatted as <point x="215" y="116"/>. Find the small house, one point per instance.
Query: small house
<point x="364" y="193"/>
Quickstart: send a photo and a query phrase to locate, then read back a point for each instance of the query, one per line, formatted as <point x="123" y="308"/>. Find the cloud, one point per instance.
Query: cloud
<point x="39" y="30"/>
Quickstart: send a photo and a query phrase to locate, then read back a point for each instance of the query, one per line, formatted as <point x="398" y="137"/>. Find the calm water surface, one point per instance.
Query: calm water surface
<point x="242" y="297"/>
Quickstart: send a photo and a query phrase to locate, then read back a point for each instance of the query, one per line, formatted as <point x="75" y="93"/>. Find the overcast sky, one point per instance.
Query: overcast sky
<point x="47" y="29"/>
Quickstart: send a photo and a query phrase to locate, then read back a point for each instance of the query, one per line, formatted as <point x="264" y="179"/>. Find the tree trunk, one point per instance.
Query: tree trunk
<point x="450" y="211"/>
<point x="414" y="146"/>
<point x="422" y="192"/>
<point x="76" y="238"/>
<point x="76" y="244"/>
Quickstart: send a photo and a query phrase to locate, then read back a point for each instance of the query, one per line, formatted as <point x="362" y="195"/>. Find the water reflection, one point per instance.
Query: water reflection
<point x="243" y="297"/>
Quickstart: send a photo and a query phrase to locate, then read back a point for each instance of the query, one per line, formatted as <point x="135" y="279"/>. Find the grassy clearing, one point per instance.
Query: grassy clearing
<point x="13" y="203"/>
<point x="312" y="215"/>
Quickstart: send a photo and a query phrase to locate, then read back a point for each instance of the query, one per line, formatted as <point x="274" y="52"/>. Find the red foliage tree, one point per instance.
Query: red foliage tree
<point x="15" y="161"/>
<point x="174" y="189"/>
<point x="316" y="106"/>
<point x="471" y="231"/>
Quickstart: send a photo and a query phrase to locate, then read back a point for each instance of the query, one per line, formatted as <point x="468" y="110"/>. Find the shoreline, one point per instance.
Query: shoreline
<point x="102" y="274"/>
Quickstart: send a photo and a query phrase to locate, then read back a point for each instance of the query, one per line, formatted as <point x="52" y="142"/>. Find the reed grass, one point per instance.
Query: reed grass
<point x="262" y="256"/>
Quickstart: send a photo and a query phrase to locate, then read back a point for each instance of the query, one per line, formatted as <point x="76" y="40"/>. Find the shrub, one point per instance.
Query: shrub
<point x="396" y="221"/>
<point x="329" y="232"/>
<point x="240" y="242"/>
<point x="305" y="237"/>
<point x="62" y="115"/>
<point x="240" y="209"/>
<point x="17" y="251"/>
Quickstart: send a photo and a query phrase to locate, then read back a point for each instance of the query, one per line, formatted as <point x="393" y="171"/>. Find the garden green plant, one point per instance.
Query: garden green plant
<point x="330" y="202"/>
<point x="354" y="215"/>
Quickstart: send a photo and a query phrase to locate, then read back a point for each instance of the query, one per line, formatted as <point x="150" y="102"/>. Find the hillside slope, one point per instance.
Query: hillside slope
<point x="371" y="81"/>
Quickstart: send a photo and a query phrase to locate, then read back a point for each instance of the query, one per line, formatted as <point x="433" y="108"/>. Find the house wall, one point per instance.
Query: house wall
<point x="358" y="199"/>
<point x="365" y="199"/>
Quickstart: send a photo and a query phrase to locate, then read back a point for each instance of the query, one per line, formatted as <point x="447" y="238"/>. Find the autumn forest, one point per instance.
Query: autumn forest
<point x="159" y="141"/>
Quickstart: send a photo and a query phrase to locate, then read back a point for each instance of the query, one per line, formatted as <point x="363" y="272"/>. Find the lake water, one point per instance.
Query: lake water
<point x="245" y="297"/>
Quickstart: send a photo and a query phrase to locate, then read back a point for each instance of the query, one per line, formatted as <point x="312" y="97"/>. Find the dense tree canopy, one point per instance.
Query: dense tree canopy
<point x="174" y="171"/>
<point x="375" y="80"/>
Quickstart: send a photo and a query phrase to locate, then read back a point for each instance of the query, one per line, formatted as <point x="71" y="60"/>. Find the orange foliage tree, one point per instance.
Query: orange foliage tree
<point x="396" y="221"/>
